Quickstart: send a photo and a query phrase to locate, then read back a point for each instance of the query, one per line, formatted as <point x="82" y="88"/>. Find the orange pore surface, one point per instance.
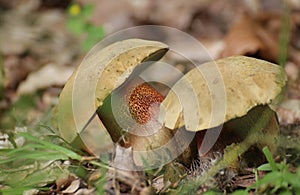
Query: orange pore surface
<point x="140" y="101"/>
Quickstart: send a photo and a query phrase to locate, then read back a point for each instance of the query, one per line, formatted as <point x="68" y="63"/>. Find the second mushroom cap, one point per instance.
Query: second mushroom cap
<point x="221" y="90"/>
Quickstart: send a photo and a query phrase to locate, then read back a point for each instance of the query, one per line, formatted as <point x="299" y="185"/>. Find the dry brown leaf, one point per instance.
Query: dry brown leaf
<point x="64" y="181"/>
<point x="45" y="77"/>
<point x="293" y="89"/>
<point x="289" y="111"/>
<point x="85" y="191"/>
<point x="292" y="71"/>
<point x="37" y="38"/>
<point x="72" y="187"/>
<point x="177" y="13"/>
<point x="249" y="37"/>
<point x="16" y="69"/>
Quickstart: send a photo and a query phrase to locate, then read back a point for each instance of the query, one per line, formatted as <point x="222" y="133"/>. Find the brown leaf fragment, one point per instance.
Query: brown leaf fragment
<point x="292" y="71"/>
<point x="61" y="183"/>
<point x="124" y="181"/>
<point x="85" y="191"/>
<point x="249" y="37"/>
<point x="242" y="39"/>
<point x="158" y="183"/>
<point x="289" y="111"/>
<point x="245" y="180"/>
<point x="73" y="187"/>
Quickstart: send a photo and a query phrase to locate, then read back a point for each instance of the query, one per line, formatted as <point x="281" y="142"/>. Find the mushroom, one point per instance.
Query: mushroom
<point x="98" y="75"/>
<point x="109" y="73"/>
<point x="227" y="101"/>
<point x="208" y="96"/>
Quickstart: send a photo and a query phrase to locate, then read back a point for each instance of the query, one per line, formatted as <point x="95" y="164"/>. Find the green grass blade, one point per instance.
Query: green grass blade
<point x="35" y="155"/>
<point x="15" y="191"/>
<point x="52" y="146"/>
<point x="270" y="158"/>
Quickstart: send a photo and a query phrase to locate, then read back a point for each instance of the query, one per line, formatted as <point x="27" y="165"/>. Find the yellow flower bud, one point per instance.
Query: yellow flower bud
<point x="74" y="10"/>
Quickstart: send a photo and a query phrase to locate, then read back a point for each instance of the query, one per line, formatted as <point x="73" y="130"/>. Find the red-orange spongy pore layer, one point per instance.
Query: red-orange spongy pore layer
<point x="140" y="100"/>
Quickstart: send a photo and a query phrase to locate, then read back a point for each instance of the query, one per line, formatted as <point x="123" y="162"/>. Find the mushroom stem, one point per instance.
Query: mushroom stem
<point x="262" y="131"/>
<point x="106" y="115"/>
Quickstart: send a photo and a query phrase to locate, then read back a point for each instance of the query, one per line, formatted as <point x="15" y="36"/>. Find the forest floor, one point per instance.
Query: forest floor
<point x="41" y="44"/>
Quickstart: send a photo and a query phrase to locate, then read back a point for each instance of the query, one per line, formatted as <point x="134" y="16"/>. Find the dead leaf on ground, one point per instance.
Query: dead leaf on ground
<point x="245" y="180"/>
<point x="47" y="76"/>
<point x="289" y="111"/>
<point x="31" y="32"/>
<point x="249" y="37"/>
<point x="73" y="187"/>
<point x="292" y="71"/>
<point x="16" y="68"/>
<point x="124" y="181"/>
<point x="64" y="181"/>
<point x="293" y="89"/>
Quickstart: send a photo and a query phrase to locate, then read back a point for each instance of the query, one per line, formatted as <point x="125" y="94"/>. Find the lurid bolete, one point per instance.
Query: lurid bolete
<point x="98" y="75"/>
<point x="205" y="98"/>
<point x="231" y="101"/>
<point x="125" y="105"/>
